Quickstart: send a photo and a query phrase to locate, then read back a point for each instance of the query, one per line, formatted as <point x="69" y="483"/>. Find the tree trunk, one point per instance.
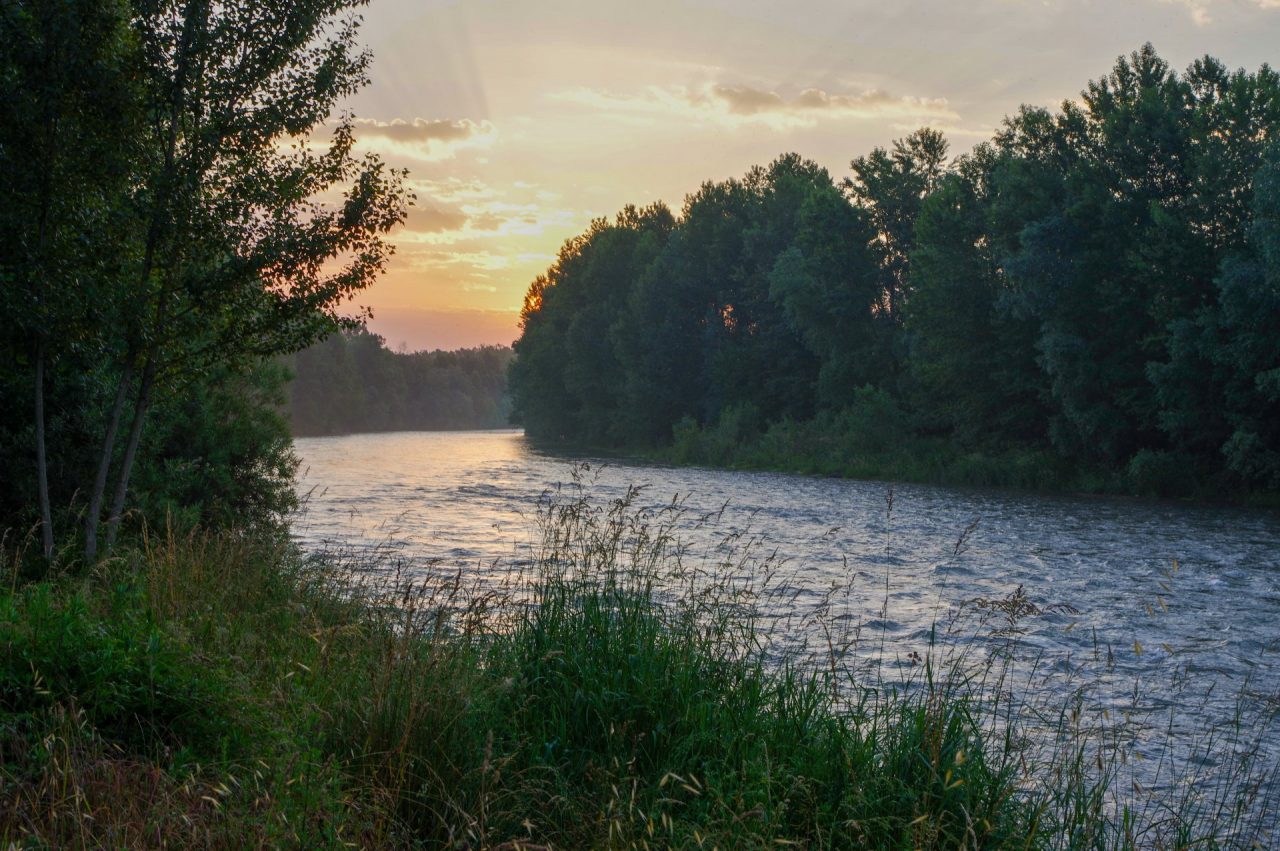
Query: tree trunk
<point x="193" y="17"/>
<point x="42" y="463"/>
<point x="140" y="407"/>
<point x="93" y="517"/>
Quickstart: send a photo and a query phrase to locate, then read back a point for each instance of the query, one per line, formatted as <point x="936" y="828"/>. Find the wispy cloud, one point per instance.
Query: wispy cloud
<point x="947" y="129"/>
<point x="430" y="218"/>
<point x="485" y="218"/>
<point x="474" y="261"/>
<point x="872" y="103"/>
<point x="425" y="139"/>
<point x="453" y="189"/>
<point x="736" y="105"/>
<point x="1201" y="10"/>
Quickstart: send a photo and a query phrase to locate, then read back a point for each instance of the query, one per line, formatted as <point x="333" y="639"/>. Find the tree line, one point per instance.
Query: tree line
<point x="180" y="207"/>
<point x="353" y="383"/>
<point x="1095" y="290"/>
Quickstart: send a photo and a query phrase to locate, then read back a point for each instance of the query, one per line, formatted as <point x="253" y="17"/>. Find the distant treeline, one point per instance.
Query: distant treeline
<point x="351" y="382"/>
<point x="1091" y="299"/>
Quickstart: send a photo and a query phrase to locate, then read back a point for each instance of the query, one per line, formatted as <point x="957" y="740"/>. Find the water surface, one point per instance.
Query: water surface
<point x="1168" y="609"/>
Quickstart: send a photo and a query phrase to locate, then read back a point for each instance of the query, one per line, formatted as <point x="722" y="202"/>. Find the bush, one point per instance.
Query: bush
<point x="1162" y="474"/>
<point x="137" y="686"/>
<point x="686" y="442"/>
<point x="219" y="453"/>
<point x="873" y="424"/>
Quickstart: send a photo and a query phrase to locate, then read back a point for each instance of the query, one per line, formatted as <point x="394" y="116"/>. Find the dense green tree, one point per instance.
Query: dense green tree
<point x="569" y="371"/>
<point x="1146" y="209"/>
<point x="67" y="121"/>
<point x="679" y="311"/>
<point x="828" y="287"/>
<point x="663" y="341"/>
<point x="972" y="358"/>
<point x="237" y="252"/>
<point x="891" y="185"/>
<point x="541" y="401"/>
<point x="760" y="360"/>
<point x="219" y="452"/>
<point x="594" y="375"/>
<point x="168" y="216"/>
<point x="1093" y="290"/>
<point x="1220" y="388"/>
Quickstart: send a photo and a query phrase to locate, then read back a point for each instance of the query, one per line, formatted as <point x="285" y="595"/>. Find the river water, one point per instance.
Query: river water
<point x="1167" y="614"/>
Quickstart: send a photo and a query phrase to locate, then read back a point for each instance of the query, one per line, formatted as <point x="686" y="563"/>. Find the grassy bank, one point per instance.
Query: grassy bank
<point x="877" y="442"/>
<point x="221" y="691"/>
<point x="880" y="445"/>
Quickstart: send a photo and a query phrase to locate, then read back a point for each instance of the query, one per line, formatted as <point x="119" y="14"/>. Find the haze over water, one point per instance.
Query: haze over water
<point x="1173" y="598"/>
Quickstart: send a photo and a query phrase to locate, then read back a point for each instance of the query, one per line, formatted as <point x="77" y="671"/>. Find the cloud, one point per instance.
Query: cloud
<point x="732" y="106"/>
<point x="1200" y="13"/>
<point x="873" y="103"/>
<point x="453" y="190"/>
<point x="487" y="219"/>
<point x="426" y="139"/>
<point x="947" y="129"/>
<point x="473" y="261"/>
<point x="433" y="219"/>
<point x="453" y="211"/>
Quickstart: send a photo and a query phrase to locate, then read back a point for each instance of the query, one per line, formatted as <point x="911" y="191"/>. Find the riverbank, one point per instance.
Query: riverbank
<point x="890" y="455"/>
<point x="224" y="691"/>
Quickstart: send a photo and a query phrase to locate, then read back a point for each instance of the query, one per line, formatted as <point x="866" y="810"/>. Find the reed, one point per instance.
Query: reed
<point x="619" y="691"/>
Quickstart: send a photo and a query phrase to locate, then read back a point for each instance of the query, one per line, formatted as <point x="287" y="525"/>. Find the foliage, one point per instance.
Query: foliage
<point x="1094" y="288"/>
<point x="218" y="451"/>
<point x="171" y="218"/>
<point x="134" y="684"/>
<point x="219" y="454"/>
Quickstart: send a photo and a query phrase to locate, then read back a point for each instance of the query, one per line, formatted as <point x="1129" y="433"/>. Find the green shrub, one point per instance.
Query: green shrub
<point x="1162" y="474"/>
<point x="872" y="424"/>
<point x="686" y="442"/>
<point x="135" y="685"/>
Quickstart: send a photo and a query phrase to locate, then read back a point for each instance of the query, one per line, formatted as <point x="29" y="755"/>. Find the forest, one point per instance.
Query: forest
<point x="352" y="382"/>
<point x="1091" y="299"/>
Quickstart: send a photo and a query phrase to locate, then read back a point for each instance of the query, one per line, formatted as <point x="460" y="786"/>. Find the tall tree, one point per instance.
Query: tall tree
<point x="1220" y="386"/>
<point x="1146" y="178"/>
<point x="251" y="239"/>
<point x="891" y="185"/>
<point x="972" y="356"/>
<point x="571" y="373"/>
<point x="827" y="284"/>
<point x="1097" y="282"/>
<point x="67" y="116"/>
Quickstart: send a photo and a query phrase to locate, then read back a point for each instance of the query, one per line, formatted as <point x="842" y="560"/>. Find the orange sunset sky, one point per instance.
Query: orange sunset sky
<point x="522" y="121"/>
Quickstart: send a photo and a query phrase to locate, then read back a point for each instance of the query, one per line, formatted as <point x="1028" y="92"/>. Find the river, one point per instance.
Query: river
<point x="1168" y="613"/>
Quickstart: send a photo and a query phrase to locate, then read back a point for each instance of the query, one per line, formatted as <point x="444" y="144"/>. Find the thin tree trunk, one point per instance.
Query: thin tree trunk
<point x="42" y="246"/>
<point x="140" y="407"/>
<point x="159" y="214"/>
<point x="94" y="516"/>
<point x="42" y="463"/>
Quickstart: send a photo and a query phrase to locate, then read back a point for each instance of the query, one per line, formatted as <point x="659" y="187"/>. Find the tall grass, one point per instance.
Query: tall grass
<point x="224" y="691"/>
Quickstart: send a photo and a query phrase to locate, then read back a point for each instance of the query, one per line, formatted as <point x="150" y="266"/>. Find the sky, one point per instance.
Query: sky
<point x="522" y="120"/>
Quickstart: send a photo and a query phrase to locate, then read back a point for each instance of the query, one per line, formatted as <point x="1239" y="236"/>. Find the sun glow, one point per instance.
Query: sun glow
<point x="520" y="124"/>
